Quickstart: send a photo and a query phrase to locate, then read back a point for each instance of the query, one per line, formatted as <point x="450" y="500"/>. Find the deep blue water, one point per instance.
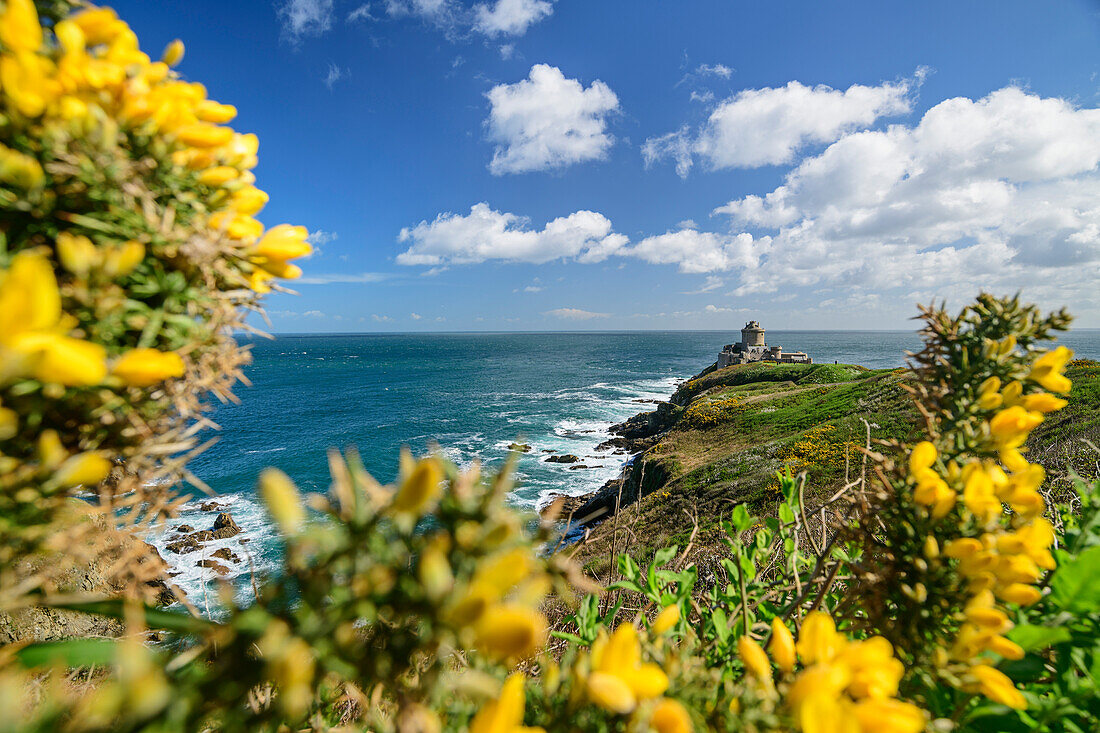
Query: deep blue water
<point x="473" y="394"/>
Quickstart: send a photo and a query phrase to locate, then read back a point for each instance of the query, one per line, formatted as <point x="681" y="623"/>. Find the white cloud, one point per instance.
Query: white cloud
<point x="342" y="277"/>
<point x="533" y="289"/>
<point x="415" y="316"/>
<point x="714" y="69"/>
<point x="717" y="309"/>
<point x="363" y="12"/>
<point x="510" y="17"/>
<point x="319" y="238"/>
<point x="333" y="75"/>
<point x="499" y="18"/>
<point x="313" y="314"/>
<point x="380" y="319"/>
<point x="575" y="314"/>
<point x="711" y="282"/>
<point x="485" y="234"/>
<point x="758" y="127"/>
<point x="547" y="121"/>
<point x="697" y="252"/>
<point x="301" y="18"/>
<point x="1000" y="193"/>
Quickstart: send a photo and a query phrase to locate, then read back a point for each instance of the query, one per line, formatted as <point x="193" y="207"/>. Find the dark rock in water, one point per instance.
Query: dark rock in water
<point x="162" y="592"/>
<point x="565" y="458"/>
<point x="244" y="540"/>
<point x="521" y="447"/>
<point x="185" y="528"/>
<point x="564" y="504"/>
<point x="224" y="528"/>
<point x="214" y="565"/>
<point x="577" y="466"/>
<point x="211" y="506"/>
<point x="225" y="521"/>
<point x="184" y="545"/>
<point x="226" y="554"/>
<point x="548" y="450"/>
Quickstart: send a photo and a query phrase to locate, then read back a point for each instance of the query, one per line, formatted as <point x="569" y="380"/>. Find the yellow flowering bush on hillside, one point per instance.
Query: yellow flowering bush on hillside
<point x="129" y="251"/>
<point x="941" y="589"/>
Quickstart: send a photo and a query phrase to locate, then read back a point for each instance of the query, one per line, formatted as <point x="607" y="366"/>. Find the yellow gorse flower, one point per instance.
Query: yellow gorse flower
<point x="619" y="679"/>
<point x="666" y="619"/>
<point x="1048" y="368"/>
<point x="32" y="334"/>
<point x="146" y="367"/>
<point x="782" y="645"/>
<point x="505" y="714"/>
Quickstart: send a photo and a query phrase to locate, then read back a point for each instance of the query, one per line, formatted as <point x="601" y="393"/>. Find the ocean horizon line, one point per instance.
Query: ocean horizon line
<point x="597" y="332"/>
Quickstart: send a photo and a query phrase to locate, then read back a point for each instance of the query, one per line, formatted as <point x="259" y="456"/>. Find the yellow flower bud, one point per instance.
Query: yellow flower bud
<point x="1043" y="402"/>
<point x="931" y="548"/>
<point x="218" y="176"/>
<point x="249" y="201"/>
<point x="283" y="242"/>
<point x="818" y="640"/>
<point x="1047" y="370"/>
<point x="511" y="632"/>
<point x="995" y="685"/>
<point x="122" y="259"/>
<point x="505" y="714"/>
<point x="922" y="457"/>
<point x="754" y="658"/>
<point x="210" y="111"/>
<point x="83" y="469"/>
<point x="1004" y="647"/>
<point x="77" y="253"/>
<point x="782" y="645"/>
<point x="63" y="360"/>
<point x="610" y="693"/>
<point x="204" y="135"/>
<point x="1020" y="593"/>
<point x="666" y="619"/>
<point x="146" y="367"/>
<point x="51" y="453"/>
<point x="173" y="53"/>
<point x="434" y="571"/>
<point x="419" y="489"/>
<point x="20" y="170"/>
<point x="670" y="717"/>
<point x="646" y="681"/>
<point x="100" y="25"/>
<point x="19" y="27"/>
<point x="9" y="423"/>
<point x="885" y="715"/>
<point x="282" y="500"/>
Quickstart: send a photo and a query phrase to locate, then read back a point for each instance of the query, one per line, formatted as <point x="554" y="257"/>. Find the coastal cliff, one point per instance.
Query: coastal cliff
<point x="722" y="436"/>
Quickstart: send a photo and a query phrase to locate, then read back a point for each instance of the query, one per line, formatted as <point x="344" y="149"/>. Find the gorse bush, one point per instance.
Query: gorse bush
<point x="129" y="252"/>
<point x="941" y="588"/>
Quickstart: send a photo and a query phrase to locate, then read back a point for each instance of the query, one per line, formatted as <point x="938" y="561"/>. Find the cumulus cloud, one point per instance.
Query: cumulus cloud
<point x="1002" y="192"/>
<point x="697" y="252"/>
<point x="714" y="69"/>
<point x="380" y="319"/>
<point x="547" y="121"/>
<point x="758" y="127"/>
<point x="301" y="18"/>
<point x="486" y="234"/>
<point x="575" y="314"/>
<point x="510" y="17"/>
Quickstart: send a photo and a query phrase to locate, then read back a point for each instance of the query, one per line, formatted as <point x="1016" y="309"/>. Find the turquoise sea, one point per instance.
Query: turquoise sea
<point x="473" y="394"/>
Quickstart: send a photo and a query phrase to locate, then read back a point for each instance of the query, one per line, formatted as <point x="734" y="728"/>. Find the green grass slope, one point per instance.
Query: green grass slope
<point x="734" y="428"/>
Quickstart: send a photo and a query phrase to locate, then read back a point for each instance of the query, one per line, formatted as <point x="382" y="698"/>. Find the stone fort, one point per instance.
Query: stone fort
<point x="752" y="348"/>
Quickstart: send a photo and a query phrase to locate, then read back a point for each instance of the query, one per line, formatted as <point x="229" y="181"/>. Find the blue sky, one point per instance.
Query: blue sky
<point x="538" y="165"/>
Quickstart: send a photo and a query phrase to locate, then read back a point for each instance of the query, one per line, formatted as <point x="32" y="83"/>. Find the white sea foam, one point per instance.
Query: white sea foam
<point x="259" y="555"/>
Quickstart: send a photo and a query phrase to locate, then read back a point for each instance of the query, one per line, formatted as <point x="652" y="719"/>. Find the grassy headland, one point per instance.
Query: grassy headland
<point x="725" y="433"/>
